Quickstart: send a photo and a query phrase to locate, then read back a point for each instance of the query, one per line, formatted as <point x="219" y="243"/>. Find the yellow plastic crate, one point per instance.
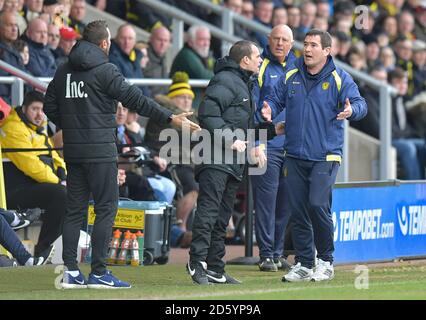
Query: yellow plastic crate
<point x="126" y="218"/>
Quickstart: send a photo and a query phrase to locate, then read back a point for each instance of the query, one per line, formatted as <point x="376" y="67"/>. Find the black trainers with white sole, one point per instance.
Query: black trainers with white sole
<point x="197" y="271"/>
<point x="267" y="264"/>
<point x="221" y="278"/>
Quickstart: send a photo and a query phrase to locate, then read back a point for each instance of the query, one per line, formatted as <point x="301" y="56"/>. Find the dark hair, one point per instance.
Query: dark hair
<point x="241" y="49"/>
<point x="33" y="96"/>
<point x="96" y="31"/>
<point x="324" y="35"/>
<point x="396" y="73"/>
<point x="257" y="3"/>
<point x="378" y="67"/>
<point x="19" y="45"/>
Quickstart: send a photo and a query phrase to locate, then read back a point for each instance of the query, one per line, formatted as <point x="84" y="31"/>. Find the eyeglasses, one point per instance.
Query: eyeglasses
<point x="57" y="36"/>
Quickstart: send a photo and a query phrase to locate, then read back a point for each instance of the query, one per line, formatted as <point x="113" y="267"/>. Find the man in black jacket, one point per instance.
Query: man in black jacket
<point x="227" y="105"/>
<point x="81" y="100"/>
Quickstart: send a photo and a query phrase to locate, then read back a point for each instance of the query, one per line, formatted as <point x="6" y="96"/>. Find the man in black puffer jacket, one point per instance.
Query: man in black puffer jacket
<point x="227" y="105"/>
<point x="81" y="100"/>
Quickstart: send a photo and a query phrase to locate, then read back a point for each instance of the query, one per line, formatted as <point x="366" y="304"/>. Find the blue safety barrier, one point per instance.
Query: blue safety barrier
<point x="379" y="221"/>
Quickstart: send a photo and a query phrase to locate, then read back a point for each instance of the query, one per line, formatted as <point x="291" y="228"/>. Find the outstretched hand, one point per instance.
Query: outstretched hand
<point x="266" y="112"/>
<point x="239" y="145"/>
<point x="180" y="121"/>
<point x="347" y="111"/>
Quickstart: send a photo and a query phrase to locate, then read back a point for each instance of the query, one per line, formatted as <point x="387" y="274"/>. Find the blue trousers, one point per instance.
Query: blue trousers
<point x="11" y="242"/>
<point x="412" y="154"/>
<point x="310" y="196"/>
<point x="271" y="206"/>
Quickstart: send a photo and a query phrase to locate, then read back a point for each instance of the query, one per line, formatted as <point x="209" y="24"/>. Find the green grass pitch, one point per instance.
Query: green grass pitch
<point x="385" y="281"/>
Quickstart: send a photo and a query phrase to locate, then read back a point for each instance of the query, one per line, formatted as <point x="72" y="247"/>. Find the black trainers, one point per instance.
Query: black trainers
<point x="197" y="271"/>
<point x="282" y="263"/>
<point x="38" y="261"/>
<point x="267" y="265"/>
<point x="47" y="254"/>
<point x="22" y="224"/>
<point x="221" y="278"/>
<point x="27" y="217"/>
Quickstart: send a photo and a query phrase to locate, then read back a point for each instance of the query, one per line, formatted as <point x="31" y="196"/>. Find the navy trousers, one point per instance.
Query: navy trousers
<point x="271" y="206"/>
<point x="11" y="242"/>
<point x="310" y="195"/>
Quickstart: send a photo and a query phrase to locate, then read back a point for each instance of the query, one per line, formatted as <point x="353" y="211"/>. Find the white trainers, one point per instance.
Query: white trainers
<point x="298" y="274"/>
<point x="323" y="272"/>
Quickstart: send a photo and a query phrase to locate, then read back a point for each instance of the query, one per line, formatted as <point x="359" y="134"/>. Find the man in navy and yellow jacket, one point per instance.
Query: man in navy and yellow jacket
<point x="317" y="96"/>
<point x="34" y="179"/>
<point x="269" y="189"/>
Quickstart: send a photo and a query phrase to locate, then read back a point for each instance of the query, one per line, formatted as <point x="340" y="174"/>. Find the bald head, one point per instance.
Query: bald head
<point x="37" y="31"/>
<point x="160" y="40"/>
<point x="8" y="27"/>
<point x="280" y="41"/>
<point x="126" y="38"/>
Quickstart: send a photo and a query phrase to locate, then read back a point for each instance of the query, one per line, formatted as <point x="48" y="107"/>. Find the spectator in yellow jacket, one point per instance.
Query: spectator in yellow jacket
<point x="34" y="178"/>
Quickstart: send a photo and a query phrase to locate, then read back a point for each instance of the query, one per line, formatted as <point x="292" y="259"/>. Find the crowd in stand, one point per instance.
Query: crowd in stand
<point x="388" y="42"/>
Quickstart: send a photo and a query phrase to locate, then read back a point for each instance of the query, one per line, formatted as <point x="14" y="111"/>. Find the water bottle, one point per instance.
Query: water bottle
<point x="134" y="261"/>
<point x="125" y="245"/>
<point x="140" y="236"/>
<point x="113" y="247"/>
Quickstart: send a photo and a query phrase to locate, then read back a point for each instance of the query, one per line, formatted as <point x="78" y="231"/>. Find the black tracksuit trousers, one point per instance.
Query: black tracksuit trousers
<point x="214" y="209"/>
<point x="100" y="180"/>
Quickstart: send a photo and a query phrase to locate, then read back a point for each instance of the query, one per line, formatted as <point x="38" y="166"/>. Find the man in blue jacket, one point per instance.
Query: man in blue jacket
<point x="269" y="188"/>
<point x="317" y="96"/>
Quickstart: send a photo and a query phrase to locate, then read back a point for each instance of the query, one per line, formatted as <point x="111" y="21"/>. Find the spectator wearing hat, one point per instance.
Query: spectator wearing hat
<point x="42" y="62"/>
<point x="77" y="15"/>
<point x="179" y="98"/>
<point x="419" y="66"/>
<point x="68" y="38"/>
<point x="124" y="55"/>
